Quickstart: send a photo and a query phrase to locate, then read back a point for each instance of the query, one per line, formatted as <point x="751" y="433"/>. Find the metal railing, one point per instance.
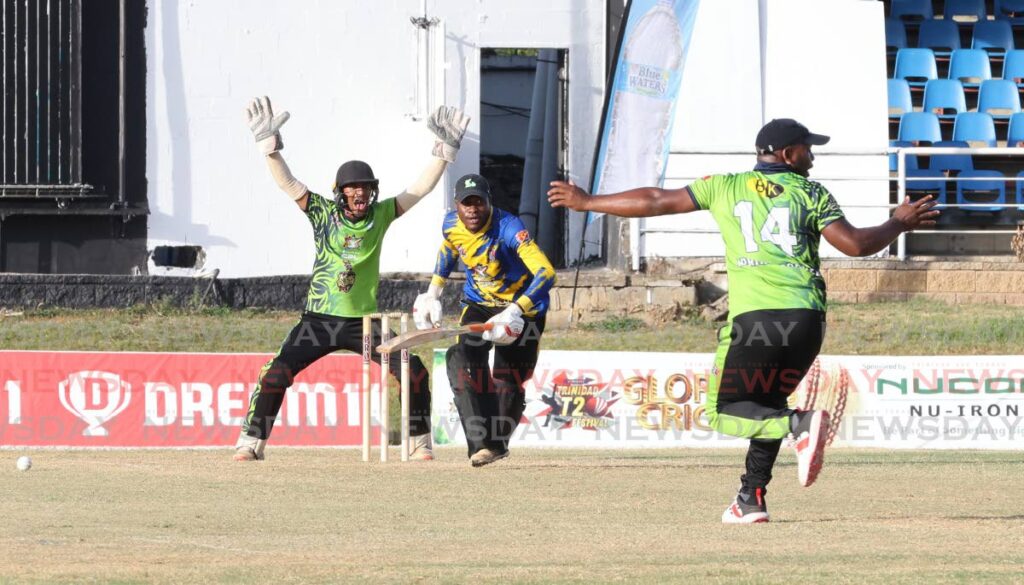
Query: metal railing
<point x="41" y="125"/>
<point x="901" y="179"/>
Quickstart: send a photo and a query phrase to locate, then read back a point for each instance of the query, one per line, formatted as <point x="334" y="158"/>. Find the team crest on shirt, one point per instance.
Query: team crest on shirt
<point x="347" y="277"/>
<point x="481" y="277"/>
<point x="352" y="242"/>
<point x="523" y="237"/>
<point x="765" y="188"/>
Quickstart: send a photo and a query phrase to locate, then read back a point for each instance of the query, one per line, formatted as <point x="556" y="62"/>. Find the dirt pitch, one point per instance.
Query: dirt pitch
<point x="542" y="516"/>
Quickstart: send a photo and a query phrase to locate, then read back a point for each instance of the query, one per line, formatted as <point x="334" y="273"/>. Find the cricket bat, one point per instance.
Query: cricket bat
<point x="414" y="338"/>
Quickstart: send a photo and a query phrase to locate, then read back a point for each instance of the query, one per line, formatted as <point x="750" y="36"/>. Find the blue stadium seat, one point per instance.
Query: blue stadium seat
<point x="895" y="36"/>
<point x="995" y="36"/>
<point x="917" y="66"/>
<point x="1015" y="133"/>
<point x="971" y="67"/>
<point x="964" y="10"/>
<point x="920" y="127"/>
<point x="941" y="36"/>
<point x="975" y="127"/>
<point x="912" y="10"/>
<point x="1013" y="67"/>
<point x="899" y="98"/>
<point x="943" y="95"/>
<point x="951" y="164"/>
<point x="999" y="98"/>
<point x="1019" y="187"/>
<point x="1009" y="10"/>
<point x="984" y="191"/>
<point x="918" y="186"/>
<point x="911" y="159"/>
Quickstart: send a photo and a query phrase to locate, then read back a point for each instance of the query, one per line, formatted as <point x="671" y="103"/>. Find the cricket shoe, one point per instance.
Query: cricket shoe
<point x="420" y="448"/>
<point x="809" y="436"/>
<point x="247" y="454"/>
<point x="486" y="456"/>
<point x="747" y="508"/>
<point x="249" y="448"/>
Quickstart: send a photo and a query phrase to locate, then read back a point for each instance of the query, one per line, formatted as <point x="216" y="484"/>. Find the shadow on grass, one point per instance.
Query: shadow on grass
<point x="1006" y="518"/>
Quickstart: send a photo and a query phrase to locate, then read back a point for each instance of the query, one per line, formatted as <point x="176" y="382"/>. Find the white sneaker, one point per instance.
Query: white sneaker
<point x="249" y="448"/>
<point x="421" y="448"/>
<point x="247" y="454"/>
<point x="809" y="442"/>
<point x="753" y="511"/>
<point x="486" y="456"/>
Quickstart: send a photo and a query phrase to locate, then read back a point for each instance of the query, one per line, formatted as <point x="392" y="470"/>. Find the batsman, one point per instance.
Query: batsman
<point x="348" y="231"/>
<point x="508" y="279"/>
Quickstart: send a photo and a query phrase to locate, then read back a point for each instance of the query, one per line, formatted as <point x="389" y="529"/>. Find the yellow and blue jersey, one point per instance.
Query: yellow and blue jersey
<point x="503" y="263"/>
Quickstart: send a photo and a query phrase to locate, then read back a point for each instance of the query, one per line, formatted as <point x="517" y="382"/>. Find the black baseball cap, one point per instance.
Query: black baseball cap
<point x="783" y="132"/>
<point x="472" y="184"/>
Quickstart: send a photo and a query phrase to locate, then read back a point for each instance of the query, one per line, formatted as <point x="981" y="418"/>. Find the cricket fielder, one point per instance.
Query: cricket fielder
<point x="348" y="231"/>
<point x="771" y="219"/>
<point x="508" y="278"/>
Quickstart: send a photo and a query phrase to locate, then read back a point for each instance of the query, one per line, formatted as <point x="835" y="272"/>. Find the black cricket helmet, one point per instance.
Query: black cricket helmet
<point x="354" y="171"/>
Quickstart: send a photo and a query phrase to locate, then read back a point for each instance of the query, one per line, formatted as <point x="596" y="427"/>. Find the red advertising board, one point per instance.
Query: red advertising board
<point x="86" y="399"/>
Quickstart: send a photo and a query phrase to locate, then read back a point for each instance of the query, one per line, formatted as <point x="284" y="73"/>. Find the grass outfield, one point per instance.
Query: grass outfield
<point x="910" y="328"/>
<point x="542" y="516"/>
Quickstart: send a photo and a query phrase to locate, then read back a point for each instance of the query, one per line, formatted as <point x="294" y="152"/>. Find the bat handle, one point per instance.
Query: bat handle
<point x="479" y="327"/>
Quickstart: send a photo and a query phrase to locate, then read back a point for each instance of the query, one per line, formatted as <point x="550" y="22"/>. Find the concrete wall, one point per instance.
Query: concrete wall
<point x="346" y="70"/>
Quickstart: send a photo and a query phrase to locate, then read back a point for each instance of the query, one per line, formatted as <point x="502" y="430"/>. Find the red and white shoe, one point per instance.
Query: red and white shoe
<point x="420" y="448"/>
<point x="809" y="442"/>
<point x="747" y="509"/>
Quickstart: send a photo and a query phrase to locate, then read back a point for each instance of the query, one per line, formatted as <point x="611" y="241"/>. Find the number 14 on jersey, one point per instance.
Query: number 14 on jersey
<point x="774" y="230"/>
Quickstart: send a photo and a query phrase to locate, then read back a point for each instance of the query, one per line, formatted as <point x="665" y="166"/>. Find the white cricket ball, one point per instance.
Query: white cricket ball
<point x="24" y="463"/>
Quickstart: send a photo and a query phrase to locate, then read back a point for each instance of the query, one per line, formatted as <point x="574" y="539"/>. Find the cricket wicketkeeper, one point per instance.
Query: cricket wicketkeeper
<point x="348" y="230"/>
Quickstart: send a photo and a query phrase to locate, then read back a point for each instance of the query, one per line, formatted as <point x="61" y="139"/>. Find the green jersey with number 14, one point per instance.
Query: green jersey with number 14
<point x="771" y="224"/>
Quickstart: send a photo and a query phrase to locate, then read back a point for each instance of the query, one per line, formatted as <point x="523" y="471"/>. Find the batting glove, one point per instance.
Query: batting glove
<point x="449" y="126"/>
<point x="265" y="125"/>
<point x="426" y="311"/>
<point x="508" y="325"/>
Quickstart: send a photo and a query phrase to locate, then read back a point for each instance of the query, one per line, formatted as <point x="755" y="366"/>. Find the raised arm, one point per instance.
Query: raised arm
<point x="643" y="202"/>
<point x="449" y="126"/>
<point x="266" y="128"/>
<point x="854" y="241"/>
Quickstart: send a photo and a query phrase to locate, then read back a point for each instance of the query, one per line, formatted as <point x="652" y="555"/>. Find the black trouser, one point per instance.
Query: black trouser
<point x="769" y="353"/>
<point x="490" y="403"/>
<point x="312" y="338"/>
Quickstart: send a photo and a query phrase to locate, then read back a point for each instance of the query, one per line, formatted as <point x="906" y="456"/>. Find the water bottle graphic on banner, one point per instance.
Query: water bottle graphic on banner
<point x="645" y="94"/>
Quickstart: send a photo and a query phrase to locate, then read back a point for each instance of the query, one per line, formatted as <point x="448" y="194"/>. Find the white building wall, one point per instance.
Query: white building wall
<point x="346" y="70"/>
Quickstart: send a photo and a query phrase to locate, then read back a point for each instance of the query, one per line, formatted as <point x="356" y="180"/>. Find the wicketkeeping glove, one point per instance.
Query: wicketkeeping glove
<point x="508" y="325"/>
<point x="449" y="126"/>
<point x="265" y="125"/>
<point x="426" y="310"/>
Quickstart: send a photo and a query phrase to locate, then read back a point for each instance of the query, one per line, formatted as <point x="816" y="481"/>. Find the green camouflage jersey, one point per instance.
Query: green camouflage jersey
<point x="771" y="224"/>
<point x="347" y="268"/>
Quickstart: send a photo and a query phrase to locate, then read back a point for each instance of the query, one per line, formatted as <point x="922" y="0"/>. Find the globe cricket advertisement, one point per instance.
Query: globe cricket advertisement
<point x="621" y="399"/>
